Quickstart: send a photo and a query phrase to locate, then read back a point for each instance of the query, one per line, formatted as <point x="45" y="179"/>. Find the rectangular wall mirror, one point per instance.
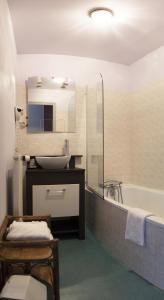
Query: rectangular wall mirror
<point x="51" y="105"/>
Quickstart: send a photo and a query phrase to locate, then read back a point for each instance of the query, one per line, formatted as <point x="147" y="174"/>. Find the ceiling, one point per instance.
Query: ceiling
<point x="63" y="27"/>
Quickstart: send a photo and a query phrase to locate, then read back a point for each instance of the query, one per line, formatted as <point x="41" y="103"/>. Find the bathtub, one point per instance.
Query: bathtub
<point x="106" y="218"/>
<point x="137" y="196"/>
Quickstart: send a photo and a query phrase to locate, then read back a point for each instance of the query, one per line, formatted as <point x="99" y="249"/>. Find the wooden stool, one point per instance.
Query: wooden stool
<point x="36" y="257"/>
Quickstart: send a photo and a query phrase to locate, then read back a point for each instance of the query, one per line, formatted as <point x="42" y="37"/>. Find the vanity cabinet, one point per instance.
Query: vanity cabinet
<point x="60" y="193"/>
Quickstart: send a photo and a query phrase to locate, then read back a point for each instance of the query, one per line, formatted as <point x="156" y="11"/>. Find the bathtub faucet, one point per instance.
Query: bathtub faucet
<point x="114" y="189"/>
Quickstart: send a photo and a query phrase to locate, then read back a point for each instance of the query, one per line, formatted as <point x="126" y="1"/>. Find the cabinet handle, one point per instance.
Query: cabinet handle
<point x="55" y="193"/>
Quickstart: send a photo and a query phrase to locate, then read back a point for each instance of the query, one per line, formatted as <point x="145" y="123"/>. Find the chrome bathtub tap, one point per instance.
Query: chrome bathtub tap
<point x="114" y="190"/>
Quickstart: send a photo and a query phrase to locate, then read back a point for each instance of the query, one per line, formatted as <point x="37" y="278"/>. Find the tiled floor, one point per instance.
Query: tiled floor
<point x="88" y="272"/>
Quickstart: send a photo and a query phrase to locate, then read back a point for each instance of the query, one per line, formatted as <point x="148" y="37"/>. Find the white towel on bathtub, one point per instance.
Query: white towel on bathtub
<point x="135" y="225"/>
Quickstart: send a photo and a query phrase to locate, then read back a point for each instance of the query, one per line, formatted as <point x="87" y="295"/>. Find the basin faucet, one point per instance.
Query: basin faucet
<point x="66" y="147"/>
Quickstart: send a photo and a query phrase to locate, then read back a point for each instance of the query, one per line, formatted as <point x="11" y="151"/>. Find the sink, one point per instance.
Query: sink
<point x="53" y="162"/>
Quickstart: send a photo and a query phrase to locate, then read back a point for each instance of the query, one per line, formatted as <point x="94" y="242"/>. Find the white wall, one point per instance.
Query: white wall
<point x="7" y="102"/>
<point x="147" y="70"/>
<point x="81" y="70"/>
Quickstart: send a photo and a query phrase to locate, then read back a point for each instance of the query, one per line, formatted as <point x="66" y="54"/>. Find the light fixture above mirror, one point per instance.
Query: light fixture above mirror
<point x="50" y="82"/>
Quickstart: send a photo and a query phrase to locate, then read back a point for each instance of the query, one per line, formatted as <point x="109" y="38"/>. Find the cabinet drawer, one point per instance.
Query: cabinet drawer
<point x="56" y="200"/>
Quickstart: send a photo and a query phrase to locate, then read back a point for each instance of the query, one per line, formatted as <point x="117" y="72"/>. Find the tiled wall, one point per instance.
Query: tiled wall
<point x="117" y="132"/>
<point x="134" y="136"/>
<point x="147" y="93"/>
<point x="52" y="143"/>
<point x="147" y="158"/>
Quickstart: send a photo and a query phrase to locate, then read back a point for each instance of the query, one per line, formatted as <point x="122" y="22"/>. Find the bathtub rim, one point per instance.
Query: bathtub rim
<point x="141" y="187"/>
<point x="151" y="219"/>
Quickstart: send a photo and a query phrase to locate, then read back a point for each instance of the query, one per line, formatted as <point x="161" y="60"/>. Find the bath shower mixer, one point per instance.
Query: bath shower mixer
<point x="114" y="188"/>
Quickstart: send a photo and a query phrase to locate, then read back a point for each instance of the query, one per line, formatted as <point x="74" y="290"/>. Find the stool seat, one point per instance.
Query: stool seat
<point x="25" y="254"/>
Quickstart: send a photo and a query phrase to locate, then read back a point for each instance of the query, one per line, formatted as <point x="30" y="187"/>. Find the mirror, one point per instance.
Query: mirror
<point x="51" y="105"/>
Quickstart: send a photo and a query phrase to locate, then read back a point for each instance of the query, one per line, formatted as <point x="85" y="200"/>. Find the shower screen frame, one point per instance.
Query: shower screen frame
<point x="99" y="129"/>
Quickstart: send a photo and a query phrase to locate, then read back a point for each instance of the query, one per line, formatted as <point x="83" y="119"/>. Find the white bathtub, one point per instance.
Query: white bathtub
<point x="137" y="196"/>
<point x="107" y="220"/>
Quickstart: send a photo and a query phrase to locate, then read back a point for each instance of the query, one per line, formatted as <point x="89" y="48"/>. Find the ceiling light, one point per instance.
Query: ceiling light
<point x="101" y="15"/>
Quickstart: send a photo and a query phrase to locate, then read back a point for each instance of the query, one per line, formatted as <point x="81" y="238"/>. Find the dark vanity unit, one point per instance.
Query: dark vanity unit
<point x="61" y="193"/>
<point x="54" y="186"/>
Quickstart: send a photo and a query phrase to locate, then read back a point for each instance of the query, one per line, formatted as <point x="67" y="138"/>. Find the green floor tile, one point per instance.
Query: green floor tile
<point x="89" y="272"/>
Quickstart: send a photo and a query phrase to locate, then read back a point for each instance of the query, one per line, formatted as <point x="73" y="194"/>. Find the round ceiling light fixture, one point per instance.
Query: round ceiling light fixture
<point x="101" y="15"/>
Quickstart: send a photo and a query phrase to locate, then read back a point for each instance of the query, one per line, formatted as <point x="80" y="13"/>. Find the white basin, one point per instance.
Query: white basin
<point x="53" y="162"/>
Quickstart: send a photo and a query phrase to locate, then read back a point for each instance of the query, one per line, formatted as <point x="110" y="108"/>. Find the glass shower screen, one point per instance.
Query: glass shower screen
<point x="95" y="136"/>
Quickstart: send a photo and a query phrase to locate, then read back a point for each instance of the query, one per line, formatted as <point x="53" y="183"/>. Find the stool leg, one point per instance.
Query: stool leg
<point x="27" y="268"/>
<point x="3" y="272"/>
<point x="56" y="274"/>
<point x="1" y="275"/>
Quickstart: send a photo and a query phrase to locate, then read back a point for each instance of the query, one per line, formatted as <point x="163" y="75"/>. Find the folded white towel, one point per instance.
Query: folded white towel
<point x="38" y="230"/>
<point x="135" y="225"/>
